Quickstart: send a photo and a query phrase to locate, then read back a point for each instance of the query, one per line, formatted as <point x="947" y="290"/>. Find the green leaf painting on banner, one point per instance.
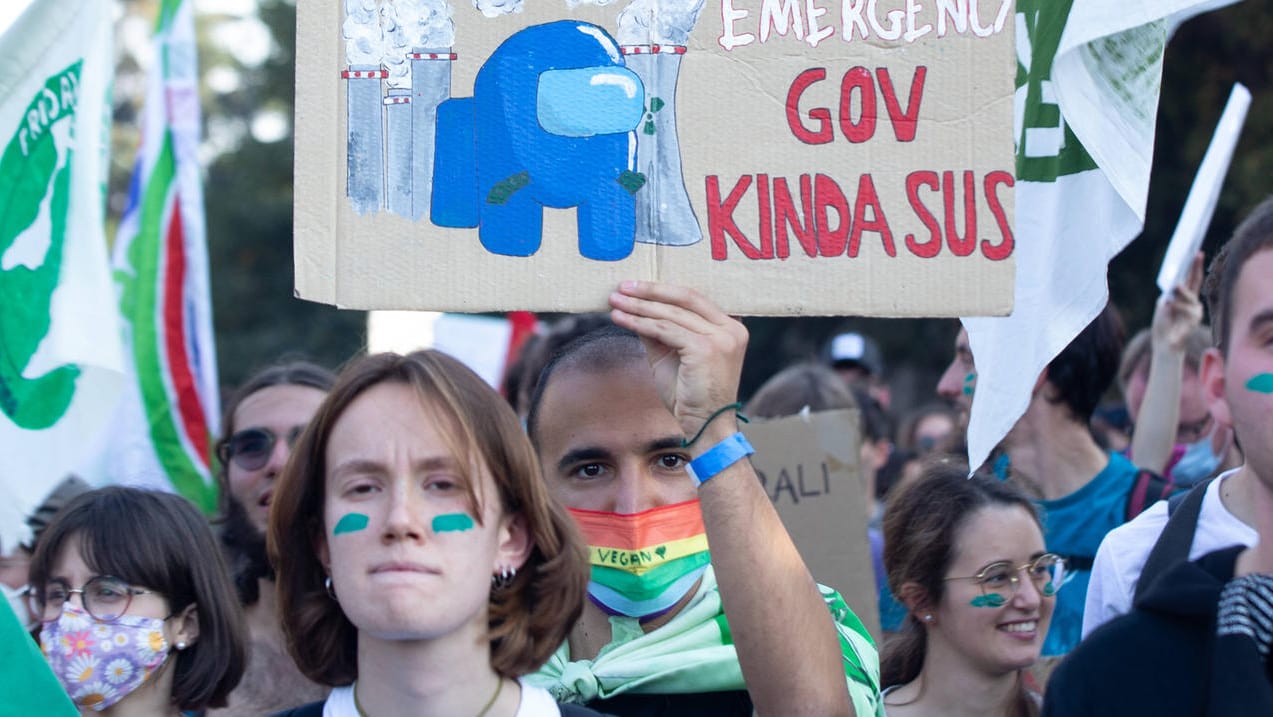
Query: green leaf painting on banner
<point x="35" y="185"/>
<point x="1046" y="147"/>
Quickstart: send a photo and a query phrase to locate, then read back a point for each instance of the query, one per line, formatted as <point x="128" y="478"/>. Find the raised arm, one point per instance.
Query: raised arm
<point x="1175" y="316"/>
<point x="788" y="647"/>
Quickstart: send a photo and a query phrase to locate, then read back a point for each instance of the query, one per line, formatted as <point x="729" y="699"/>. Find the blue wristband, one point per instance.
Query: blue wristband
<point x="718" y="458"/>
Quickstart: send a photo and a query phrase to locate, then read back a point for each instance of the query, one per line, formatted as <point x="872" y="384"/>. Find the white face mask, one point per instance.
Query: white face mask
<point x="1199" y="460"/>
<point x="17" y="598"/>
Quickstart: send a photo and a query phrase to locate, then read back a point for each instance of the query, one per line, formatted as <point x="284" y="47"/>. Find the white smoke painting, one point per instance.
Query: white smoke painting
<point x="663" y="22"/>
<point x="495" y="8"/>
<point x="361" y="30"/>
<point x="426" y="23"/>
<point x="394" y="48"/>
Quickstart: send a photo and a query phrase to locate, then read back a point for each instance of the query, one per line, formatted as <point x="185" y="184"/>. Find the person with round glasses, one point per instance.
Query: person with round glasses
<point x="263" y="420"/>
<point x="138" y="615"/>
<point x="966" y="557"/>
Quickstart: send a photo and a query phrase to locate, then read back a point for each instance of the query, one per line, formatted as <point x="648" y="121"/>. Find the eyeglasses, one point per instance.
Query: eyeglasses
<point x="1000" y="581"/>
<point x="105" y="598"/>
<point x="250" y="449"/>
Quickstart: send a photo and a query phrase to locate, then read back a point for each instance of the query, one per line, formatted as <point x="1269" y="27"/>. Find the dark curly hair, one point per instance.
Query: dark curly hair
<point x="1085" y="369"/>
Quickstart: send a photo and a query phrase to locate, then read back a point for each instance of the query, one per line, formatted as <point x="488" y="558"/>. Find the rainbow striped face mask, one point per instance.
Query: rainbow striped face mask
<point x="644" y="563"/>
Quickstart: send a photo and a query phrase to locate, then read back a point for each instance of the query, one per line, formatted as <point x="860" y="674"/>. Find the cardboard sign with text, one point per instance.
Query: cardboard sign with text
<point x="810" y="469"/>
<point x="783" y="156"/>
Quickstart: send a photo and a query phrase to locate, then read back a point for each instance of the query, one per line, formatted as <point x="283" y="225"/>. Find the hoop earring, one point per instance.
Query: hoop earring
<point x="503" y="579"/>
<point x="328" y="585"/>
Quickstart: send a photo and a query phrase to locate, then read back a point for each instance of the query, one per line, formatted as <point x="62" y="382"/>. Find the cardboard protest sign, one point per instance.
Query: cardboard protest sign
<point x="810" y="469"/>
<point x="1200" y="205"/>
<point x="784" y="156"/>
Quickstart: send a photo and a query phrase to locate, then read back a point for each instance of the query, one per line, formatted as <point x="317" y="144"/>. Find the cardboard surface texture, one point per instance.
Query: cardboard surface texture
<point x="785" y="157"/>
<point x="809" y="466"/>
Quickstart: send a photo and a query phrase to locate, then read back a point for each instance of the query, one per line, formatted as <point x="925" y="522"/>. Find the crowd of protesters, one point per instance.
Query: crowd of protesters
<point x="402" y="539"/>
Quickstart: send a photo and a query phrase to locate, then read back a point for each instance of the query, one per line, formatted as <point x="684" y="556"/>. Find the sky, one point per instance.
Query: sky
<point x="9" y="12"/>
<point x="11" y="9"/>
<point x="237" y="29"/>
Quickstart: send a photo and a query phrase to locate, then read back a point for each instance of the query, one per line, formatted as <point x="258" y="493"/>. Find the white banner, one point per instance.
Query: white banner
<point x="60" y="358"/>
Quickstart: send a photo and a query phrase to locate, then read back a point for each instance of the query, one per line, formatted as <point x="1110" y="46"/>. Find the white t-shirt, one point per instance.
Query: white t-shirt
<point x="1125" y="549"/>
<point x="536" y="702"/>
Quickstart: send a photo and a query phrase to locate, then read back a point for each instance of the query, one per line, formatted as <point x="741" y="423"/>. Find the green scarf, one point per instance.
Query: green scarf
<point x="694" y="652"/>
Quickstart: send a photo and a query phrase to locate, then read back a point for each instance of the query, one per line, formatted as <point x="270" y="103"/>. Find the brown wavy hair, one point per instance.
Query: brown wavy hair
<point x="528" y="620"/>
<point x="920" y="527"/>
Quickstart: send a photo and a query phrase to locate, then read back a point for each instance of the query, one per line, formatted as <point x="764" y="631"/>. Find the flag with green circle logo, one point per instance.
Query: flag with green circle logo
<point x="60" y="360"/>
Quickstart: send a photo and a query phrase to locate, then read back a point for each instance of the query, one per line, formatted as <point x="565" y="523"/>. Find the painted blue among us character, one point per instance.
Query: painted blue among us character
<point x="550" y="124"/>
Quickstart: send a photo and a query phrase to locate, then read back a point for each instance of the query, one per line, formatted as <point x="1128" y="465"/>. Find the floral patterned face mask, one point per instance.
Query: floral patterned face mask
<point x="100" y="663"/>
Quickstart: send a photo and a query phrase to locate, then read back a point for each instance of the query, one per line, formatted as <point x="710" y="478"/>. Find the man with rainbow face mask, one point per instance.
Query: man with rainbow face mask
<point x="638" y="436"/>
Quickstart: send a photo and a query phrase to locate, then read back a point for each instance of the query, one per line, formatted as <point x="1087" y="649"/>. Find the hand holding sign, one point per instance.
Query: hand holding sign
<point x="695" y="350"/>
<point x="1180" y="312"/>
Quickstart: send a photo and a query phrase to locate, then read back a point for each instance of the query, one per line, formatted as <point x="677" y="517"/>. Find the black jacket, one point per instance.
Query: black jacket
<point x="1164" y="657"/>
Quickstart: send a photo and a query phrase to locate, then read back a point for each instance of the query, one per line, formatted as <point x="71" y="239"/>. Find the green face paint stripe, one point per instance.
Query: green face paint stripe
<point x="451" y="522"/>
<point x="970" y="377"/>
<point x="1048" y="589"/>
<point x="991" y="600"/>
<point x="1261" y="383"/>
<point x="350" y="523"/>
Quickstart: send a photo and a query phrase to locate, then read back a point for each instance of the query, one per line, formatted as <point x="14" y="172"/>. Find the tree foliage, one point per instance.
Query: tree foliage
<point x="248" y="194"/>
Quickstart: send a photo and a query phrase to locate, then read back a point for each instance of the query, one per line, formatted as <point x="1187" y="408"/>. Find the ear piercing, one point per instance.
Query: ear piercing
<point x="328" y="584"/>
<point x="503" y="578"/>
<point x="928" y="617"/>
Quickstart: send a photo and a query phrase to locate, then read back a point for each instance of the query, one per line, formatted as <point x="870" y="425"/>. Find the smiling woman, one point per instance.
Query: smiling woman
<point x="422" y="564"/>
<point x="966" y="557"/>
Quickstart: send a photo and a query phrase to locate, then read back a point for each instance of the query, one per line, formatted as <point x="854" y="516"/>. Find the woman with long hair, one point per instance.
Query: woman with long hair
<point x="967" y="559"/>
<point x="422" y="565"/>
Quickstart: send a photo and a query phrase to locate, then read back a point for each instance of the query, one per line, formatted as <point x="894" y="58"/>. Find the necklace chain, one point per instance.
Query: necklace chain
<point x="499" y="686"/>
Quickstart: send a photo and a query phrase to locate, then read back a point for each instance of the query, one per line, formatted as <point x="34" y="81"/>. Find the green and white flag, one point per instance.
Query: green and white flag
<point x="1088" y="79"/>
<point x="60" y="358"/>
<point x="27" y="683"/>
